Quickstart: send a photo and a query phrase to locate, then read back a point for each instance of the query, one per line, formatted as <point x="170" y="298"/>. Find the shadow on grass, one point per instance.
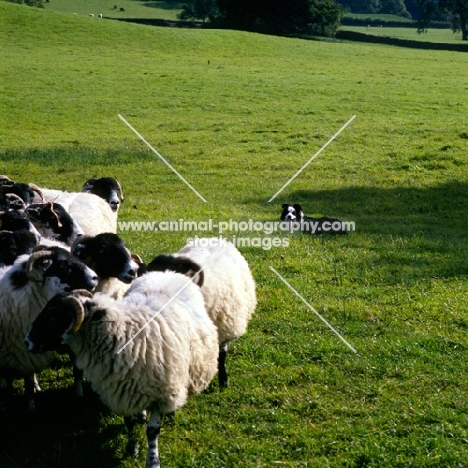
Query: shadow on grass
<point x="163" y="5"/>
<point x="424" y="229"/>
<point x="63" y="433"/>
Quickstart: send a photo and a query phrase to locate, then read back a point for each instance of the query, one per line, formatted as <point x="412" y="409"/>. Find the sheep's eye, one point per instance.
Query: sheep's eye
<point x="98" y="315"/>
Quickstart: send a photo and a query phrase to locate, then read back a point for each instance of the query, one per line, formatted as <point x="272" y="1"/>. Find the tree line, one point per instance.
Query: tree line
<point x="318" y="17"/>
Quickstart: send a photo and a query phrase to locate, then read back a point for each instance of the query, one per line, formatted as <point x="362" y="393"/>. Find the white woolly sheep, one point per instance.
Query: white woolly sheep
<point x="90" y="208"/>
<point x="25" y="288"/>
<point x="107" y="255"/>
<point x="149" y="351"/>
<point x="228" y="288"/>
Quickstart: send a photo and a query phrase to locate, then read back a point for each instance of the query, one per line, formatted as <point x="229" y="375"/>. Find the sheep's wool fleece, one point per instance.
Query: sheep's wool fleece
<point x="228" y="288"/>
<point x="174" y="356"/>
<point x="18" y="310"/>
<point x="90" y="212"/>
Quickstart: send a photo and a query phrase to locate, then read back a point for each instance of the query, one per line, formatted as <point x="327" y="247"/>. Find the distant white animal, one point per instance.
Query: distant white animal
<point x="92" y="15"/>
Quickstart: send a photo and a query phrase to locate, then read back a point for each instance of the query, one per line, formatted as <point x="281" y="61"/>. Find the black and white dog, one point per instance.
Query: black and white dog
<point x="323" y="225"/>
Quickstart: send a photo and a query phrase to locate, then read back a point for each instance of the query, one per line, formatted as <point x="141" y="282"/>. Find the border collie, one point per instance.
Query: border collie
<point x="323" y="225"/>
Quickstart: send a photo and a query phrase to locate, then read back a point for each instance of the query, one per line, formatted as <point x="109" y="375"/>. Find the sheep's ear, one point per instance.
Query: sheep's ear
<point x="80" y="249"/>
<point x="88" y="185"/>
<point x="37" y="264"/>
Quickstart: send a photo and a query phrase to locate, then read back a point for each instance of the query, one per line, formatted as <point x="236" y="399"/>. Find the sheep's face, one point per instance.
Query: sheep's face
<point x="50" y="326"/>
<point x="107" y="255"/>
<point x="106" y="188"/>
<point x="14" y="244"/>
<point x="53" y="221"/>
<point x="57" y="271"/>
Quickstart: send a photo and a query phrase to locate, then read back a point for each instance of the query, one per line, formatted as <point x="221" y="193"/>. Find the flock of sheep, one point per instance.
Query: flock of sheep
<point x="146" y="336"/>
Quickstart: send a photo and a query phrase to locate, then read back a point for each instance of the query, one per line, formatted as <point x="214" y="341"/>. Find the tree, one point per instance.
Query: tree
<point x="458" y="9"/>
<point x="199" y="9"/>
<point x="393" y="7"/>
<point x="360" y="6"/>
<point x="281" y="17"/>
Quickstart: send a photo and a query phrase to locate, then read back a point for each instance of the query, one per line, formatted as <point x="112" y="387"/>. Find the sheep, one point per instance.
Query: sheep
<point x="24" y="191"/>
<point x="149" y="351"/>
<point x="107" y="255"/>
<point x="10" y="201"/>
<point x="107" y="188"/>
<point x="16" y="220"/>
<point x="25" y="288"/>
<point x="100" y="15"/>
<point x="90" y="211"/>
<point x="91" y="15"/>
<point x="228" y="288"/>
<point x="53" y="221"/>
<point x="14" y="244"/>
<point x="122" y="9"/>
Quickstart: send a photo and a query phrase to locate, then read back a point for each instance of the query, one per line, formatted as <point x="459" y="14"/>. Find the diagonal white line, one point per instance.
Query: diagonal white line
<point x="312" y="309"/>
<point x="159" y="311"/>
<point x="162" y="159"/>
<point x="312" y="158"/>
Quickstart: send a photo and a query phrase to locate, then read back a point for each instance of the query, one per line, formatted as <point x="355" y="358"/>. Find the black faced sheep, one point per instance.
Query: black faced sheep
<point x="25" y="288"/>
<point x="52" y="221"/>
<point x="17" y="220"/>
<point x="90" y="211"/>
<point x="24" y="191"/>
<point x="228" y="288"/>
<point x="14" y="244"/>
<point x="107" y="255"/>
<point x="149" y="351"/>
<point x="107" y="188"/>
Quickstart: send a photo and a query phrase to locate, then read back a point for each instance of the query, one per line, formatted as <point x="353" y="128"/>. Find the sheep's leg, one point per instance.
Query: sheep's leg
<point x="77" y="377"/>
<point x="5" y="387"/>
<point x="132" y="444"/>
<point x="222" y="373"/>
<point x="30" y="386"/>
<point x="152" y="433"/>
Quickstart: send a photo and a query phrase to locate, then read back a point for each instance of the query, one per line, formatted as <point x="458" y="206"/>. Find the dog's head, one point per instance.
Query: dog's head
<point x="291" y="212"/>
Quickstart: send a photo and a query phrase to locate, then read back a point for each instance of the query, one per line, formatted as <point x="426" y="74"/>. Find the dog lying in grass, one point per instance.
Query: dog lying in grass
<point x="323" y="225"/>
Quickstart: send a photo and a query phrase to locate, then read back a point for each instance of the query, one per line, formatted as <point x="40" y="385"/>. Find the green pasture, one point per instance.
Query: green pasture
<point x="431" y="35"/>
<point x="237" y="115"/>
<point x="162" y="9"/>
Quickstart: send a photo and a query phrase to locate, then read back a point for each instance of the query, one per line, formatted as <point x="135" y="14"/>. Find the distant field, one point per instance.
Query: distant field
<point x="432" y="35"/>
<point x="238" y="115"/>
<point x="167" y="9"/>
<point x="369" y="17"/>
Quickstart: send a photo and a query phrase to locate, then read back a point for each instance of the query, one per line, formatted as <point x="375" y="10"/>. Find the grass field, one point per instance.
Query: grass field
<point x="238" y="115"/>
<point x="431" y="35"/>
<point x="165" y="9"/>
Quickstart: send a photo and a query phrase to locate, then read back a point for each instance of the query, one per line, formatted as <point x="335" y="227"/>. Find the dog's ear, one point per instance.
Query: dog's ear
<point x="297" y="207"/>
<point x="285" y="205"/>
